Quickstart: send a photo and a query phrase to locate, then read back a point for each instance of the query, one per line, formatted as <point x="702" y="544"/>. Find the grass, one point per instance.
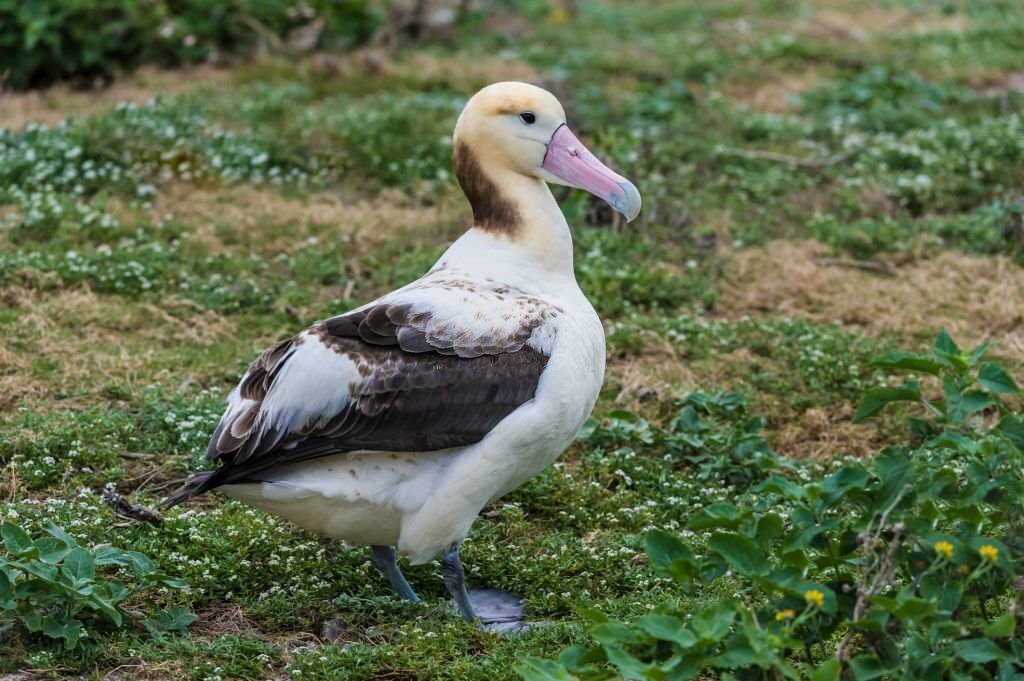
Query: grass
<point x="149" y="250"/>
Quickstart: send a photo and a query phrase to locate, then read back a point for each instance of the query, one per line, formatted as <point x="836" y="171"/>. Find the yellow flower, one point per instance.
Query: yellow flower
<point x="944" y="548"/>
<point x="559" y="16"/>
<point x="989" y="552"/>
<point x="786" y="614"/>
<point x="815" y="597"/>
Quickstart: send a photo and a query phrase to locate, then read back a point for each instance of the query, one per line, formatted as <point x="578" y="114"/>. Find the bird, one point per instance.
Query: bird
<point x="393" y="425"/>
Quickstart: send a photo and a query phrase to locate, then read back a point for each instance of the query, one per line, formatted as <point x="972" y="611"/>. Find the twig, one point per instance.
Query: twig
<point x="867" y="265"/>
<point x="131" y="511"/>
<point x="882" y="567"/>
<point x="813" y="163"/>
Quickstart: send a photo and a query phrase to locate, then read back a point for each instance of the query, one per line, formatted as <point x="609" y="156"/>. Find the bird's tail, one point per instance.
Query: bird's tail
<point x="194" y="486"/>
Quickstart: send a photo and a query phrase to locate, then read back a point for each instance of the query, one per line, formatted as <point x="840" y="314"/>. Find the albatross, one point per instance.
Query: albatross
<point x="395" y="424"/>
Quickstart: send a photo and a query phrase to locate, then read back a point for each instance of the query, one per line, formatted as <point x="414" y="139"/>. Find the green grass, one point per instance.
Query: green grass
<point x="132" y="299"/>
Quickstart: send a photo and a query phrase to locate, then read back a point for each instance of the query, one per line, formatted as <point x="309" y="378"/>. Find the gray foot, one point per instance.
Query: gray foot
<point x="499" y="611"/>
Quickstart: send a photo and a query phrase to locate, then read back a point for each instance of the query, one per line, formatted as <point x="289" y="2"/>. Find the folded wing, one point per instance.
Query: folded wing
<point x="428" y="367"/>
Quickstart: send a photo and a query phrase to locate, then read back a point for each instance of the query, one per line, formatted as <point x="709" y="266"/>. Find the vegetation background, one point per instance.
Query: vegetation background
<point x="825" y="183"/>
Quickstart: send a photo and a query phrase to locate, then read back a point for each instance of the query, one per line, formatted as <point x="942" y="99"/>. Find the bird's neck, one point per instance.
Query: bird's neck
<point x="518" y="211"/>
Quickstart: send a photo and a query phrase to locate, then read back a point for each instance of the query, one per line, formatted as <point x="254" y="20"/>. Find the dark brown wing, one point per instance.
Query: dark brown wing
<point x="369" y="380"/>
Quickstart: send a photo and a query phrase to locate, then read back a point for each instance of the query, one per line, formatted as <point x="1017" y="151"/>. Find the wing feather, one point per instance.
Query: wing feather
<point x="409" y="373"/>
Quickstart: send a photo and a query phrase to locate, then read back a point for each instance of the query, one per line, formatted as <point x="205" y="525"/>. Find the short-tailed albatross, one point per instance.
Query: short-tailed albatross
<point x="394" y="424"/>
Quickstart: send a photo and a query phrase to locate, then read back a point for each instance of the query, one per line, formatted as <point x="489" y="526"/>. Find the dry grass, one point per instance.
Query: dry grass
<point x="81" y="336"/>
<point x="976" y="298"/>
<point x="53" y="105"/>
<point x="264" y="221"/>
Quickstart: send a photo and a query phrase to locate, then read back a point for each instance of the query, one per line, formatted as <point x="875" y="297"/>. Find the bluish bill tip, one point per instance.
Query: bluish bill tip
<point x="626" y="200"/>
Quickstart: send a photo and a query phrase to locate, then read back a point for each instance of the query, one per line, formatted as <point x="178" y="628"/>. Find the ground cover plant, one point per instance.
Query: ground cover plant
<point x="786" y="475"/>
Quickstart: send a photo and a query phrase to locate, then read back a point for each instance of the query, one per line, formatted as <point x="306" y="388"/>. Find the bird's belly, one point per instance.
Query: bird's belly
<point x="358" y="497"/>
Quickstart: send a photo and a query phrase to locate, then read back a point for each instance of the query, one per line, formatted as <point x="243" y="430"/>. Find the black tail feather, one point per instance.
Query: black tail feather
<point x="193" y="487"/>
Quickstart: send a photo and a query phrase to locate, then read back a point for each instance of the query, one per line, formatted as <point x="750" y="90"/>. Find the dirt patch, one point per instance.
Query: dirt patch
<point x="66" y="339"/>
<point x="839" y="20"/>
<point x="51" y="106"/>
<point x="225" y="618"/>
<point x="462" y="73"/>
<point x="777" y="93"/>
<point x="264" y="221"/>
<point x="976" y="298"/>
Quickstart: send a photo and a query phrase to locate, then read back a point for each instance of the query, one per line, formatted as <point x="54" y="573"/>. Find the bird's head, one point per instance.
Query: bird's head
<point x="521" y="128"/>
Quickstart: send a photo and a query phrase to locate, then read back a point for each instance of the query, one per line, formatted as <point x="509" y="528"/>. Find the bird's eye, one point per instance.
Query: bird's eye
<point x="528" y="117"/>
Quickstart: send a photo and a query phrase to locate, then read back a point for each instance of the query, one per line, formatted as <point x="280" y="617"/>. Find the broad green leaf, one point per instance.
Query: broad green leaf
<point x="1001" y="627"/>
<point x="781" y="485"/>
<point x="769" y="527"/>
<point x="52" y="550"/>
<point x="109" y="555"/>
<point x="741" y="553"/>
<point x="829" y="670"/>
<point x="536" y="669"/>
<point x="714" y="622"/>
<point x="874" y="400"/>
<point x="45" y="572"/>
<point x="960" y="405"/>
<point x="895" y="472"/>
<point x="629" y="666"/>
<point x="16" y="539"/>
<point x="70" y="630"/>
<point x="977" y="353"/>
<point x="667" y="628"/>
<point x="179" y="618"/>
<point x="993" y="377"/>
<point x="717" y="515"/>
<point x="948" y="352"/>
<point x="78" y="567"/>
<point x="1012" y="427"/>
<point x="56" y="531"/>
<point x="664" y="547"/>
<point x="866" y="667"/>
<point x="908" y="361"/>
<point x="979" y="650"/>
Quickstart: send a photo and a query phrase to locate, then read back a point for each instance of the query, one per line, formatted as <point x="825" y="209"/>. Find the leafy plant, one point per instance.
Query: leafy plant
<point x="903" y="566"/>
<point x="970" y="388"/>
<point x="50" y="585"/>
<point x="43" y="42"/>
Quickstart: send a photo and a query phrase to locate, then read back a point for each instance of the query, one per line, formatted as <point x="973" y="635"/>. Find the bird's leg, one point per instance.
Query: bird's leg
<point x="494" y="609"/>
<point x="455" y="579"/>
<point x="385" y="560"/>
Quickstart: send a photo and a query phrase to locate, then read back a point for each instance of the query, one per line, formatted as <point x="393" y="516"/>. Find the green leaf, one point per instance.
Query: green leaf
<point x="536" y="669"/>
<point x="741" y="553"/>
<point x="866" y="667"/>
<point x="948" y="352"/>
<point x="717" y="515"/>
<point x="78" y="567"/>
<point x="1001" y="627"/>
<point x="55" y="531"/>
<point x="667" y="628"/>
<point x="16" y="539"/>
<point x="978" y="650"/>
<point x="828" y="670"/>
<point x="908" y="361"/>
<point x="781" y="485"/>
<point x="977" y="353"/>
<point x="664" y="547"/>
<point x="960" y="405"/>
<point x="994" y="378"/>
<point x="52" y="550"/>
<point x="876" y="399"/>
<point x="1012" y="427"/>
<point x="70" y="631"/>
<point x="714" y="622"/>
